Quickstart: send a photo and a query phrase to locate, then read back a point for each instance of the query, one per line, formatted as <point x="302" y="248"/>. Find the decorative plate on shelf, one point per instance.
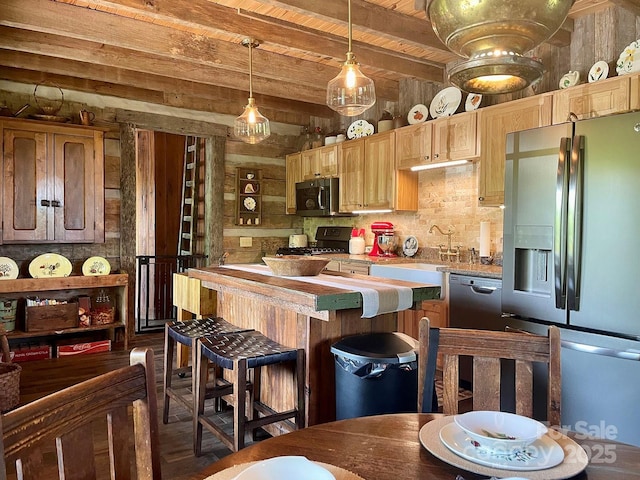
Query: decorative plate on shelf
<point x="8" y="269"/>
<point x="473" y="102"/>
<point x="446" y="102"/>
<point x="359" y="128"/>
<point x="249" y="203"/>
<point x="569" y="79"/>
<point x="96" y="266"/>
<point x="599" y="71"/>
<point x="629" y="60"/>
<point x="50" y="265"/>
<point x="418" y="114"/>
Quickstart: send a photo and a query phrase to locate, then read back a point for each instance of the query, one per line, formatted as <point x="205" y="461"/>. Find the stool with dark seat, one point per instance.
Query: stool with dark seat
<point x="243" y="354"/>
<point x="184" y="333"/>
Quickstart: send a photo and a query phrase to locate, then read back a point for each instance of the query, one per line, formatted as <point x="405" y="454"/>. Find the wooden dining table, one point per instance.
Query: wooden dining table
<point x="387" y="447"/>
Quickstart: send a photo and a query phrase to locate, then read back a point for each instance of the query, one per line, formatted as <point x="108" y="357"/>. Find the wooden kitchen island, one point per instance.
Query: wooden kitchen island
<point x="300" y="314"/>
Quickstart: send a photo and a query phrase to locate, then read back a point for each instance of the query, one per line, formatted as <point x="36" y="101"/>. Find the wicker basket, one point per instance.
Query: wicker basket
<point x="9" y="376"/>
<point x="9" y="386"/>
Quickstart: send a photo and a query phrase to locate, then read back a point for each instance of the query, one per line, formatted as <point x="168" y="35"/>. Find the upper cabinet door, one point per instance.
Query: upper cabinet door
<point x="77" y="188"/>
<point x="496" y="122"/>
<point x="455" y="137"/>
<point x="413" y="145"/>
<point x="26" y="190"/>
<point x="590" y="100"/>
<point x="379" y="180"/>
<point x="351" y="168"/>
<point x="294" y="175"/>
<point x="53" y="184"/>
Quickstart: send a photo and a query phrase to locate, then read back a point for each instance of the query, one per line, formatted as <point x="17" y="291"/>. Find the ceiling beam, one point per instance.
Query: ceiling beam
<point x="176" y="46"/>
<point x="205" y="16"/>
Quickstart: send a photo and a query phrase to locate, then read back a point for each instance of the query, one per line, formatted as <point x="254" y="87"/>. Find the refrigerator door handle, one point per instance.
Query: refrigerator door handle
<point x="574" y="223"/>
<point x="560" y="223"/>
<point x="607" y="352"/>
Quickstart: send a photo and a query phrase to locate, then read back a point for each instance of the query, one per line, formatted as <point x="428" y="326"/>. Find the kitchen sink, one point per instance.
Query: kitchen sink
<point x="412" y="272"/>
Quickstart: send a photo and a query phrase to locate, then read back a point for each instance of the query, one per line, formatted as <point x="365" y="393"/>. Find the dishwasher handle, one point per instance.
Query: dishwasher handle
<point x="480" y="289"/>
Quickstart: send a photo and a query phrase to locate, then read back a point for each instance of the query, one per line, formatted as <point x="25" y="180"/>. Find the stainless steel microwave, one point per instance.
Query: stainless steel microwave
<point x="317" y="197"/>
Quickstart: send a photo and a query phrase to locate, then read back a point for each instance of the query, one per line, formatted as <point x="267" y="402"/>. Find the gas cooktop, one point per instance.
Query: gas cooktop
<point x="308" y="251"/>
<point x="328" y="240"/>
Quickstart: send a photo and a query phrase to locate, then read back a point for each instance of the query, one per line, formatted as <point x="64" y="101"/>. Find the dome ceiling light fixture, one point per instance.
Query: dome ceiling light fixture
<point x="251" y="127"/>
<point x="494" y="35"/>
<point x="351" y="92"/>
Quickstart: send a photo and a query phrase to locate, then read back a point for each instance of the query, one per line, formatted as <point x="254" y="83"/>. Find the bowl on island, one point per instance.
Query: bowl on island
<point x="500" y="431"/>
<point x="296" y="265"/>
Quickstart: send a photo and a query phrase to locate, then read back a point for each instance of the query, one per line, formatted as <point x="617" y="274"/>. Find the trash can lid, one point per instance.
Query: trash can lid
<point x="384" y="347"/>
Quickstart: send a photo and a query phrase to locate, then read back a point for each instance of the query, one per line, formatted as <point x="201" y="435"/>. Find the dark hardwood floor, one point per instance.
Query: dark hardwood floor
<point x="42" y="377"/>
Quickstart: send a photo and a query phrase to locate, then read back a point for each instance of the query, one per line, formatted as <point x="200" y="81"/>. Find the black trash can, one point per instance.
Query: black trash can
<point x="376" y="373"/>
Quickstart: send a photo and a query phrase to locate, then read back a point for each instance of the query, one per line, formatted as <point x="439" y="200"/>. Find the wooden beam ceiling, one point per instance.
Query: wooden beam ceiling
<point x="188" y="53"/>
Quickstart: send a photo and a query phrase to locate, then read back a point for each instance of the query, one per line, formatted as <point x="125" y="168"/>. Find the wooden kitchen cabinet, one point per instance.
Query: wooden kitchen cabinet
<point x="596" y="99"/>
<point x="441" y="140"/>
<point x="53" y="183"/>
<point x="320" y="162"/>
<point x="436" y="310"/>
<point x="495" y="122"/>
<point x="369" y="179"/>
<point x="293" y="176"/>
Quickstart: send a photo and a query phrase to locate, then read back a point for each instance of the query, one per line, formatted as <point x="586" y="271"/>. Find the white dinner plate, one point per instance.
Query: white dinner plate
<point x="50" y="265"/>
<point x="285" y="468"/>
<point x="473" y="102"/>
<point x="446" y="102"/>
<point x="542" y="454"/>
<point x="418" y="114"/>
<point x="629" y="60"/>
<point x="575" y="459"/>
<point x="599" y="71"/>
<point x="359" y="128"/>
<point x="8" y="269"/>
<point x="96" y="266"/>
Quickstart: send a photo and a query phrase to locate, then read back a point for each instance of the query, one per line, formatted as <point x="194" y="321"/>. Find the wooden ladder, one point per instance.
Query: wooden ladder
<point x="189" y="208"/>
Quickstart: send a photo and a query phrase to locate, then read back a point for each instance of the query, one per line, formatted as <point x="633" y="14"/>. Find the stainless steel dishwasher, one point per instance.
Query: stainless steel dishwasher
<point x="474" y="302"/>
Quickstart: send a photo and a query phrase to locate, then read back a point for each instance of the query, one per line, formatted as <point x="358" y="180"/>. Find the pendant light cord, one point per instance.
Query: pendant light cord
<point x="349" y="22"/>
<point x="250" y="69"/>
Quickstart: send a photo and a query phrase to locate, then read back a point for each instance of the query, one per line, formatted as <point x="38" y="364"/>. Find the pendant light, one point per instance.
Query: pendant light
<point x="251" y="127"/>
<point x="494" y="35"/>
<point x="351" y="92"/>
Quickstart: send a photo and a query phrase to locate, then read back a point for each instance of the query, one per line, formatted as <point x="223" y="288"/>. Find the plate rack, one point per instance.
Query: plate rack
<point x="248" y="197"/>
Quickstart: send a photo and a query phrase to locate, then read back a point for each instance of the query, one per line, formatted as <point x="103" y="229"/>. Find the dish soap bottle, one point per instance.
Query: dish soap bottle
<point x="356" y="242"/>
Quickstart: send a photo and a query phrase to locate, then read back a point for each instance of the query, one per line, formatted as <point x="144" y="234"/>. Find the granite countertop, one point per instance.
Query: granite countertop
<point x="460" y="268"/>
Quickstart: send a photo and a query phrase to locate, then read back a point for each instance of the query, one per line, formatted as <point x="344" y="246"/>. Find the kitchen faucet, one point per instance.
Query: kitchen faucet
<point x="449" y="253"/>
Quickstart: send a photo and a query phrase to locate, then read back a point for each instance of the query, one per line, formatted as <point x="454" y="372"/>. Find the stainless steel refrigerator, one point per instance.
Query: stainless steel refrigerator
<point x="572" y="259"/>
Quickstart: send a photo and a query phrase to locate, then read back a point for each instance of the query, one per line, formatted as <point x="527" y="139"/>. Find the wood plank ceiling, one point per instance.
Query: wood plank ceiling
<point x="187" y="53"/>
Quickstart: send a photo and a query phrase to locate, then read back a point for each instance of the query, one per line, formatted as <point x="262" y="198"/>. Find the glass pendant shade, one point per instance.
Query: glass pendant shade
<point x="251" y="127"/>
<point x="351" y="92"/>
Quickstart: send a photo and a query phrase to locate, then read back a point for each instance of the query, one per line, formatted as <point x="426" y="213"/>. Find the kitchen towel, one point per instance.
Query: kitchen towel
<point x="485" y="239"/>
<point x="376" y="298"/>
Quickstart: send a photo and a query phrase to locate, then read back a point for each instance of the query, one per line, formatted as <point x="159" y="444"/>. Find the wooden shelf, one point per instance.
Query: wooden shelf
<point x="69" y="287"/>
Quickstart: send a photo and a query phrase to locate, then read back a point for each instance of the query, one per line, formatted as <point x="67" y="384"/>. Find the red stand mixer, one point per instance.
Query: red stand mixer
<point x="384" y="240"/>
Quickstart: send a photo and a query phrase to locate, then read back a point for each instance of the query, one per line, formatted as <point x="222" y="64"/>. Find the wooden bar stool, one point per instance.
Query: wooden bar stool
<point x="244" y="354"/>
<point x="184" y="333"/>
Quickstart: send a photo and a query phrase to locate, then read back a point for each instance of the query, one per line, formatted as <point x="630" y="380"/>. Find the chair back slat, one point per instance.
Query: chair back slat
<point x="122" y="402"/>
<point x="486" y="383"/>
<point x="524" y="388"/>
<point x="490" y="350"/>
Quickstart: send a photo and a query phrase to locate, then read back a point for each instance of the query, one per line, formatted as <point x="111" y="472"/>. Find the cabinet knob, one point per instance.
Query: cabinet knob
<point x="45" y="203"/>
<point x="426" y="157"/>
<point x="55" y="203"/>
<point x="437" y="155"/>
<point x="481" y="199"/>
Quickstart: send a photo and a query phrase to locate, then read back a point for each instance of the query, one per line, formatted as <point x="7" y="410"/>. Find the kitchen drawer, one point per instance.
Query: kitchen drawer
<point x="354" y="267"/>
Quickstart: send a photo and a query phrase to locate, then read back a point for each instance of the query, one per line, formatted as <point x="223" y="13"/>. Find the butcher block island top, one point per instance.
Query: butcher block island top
<point x="303" y="312"/>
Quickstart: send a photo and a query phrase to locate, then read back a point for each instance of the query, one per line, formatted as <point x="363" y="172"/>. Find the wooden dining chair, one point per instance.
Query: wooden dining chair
<point x="487" y="349"/>
<point x="53" y="437"/>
